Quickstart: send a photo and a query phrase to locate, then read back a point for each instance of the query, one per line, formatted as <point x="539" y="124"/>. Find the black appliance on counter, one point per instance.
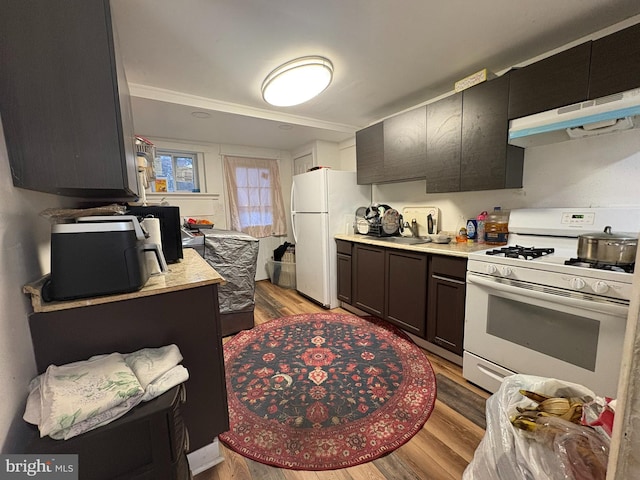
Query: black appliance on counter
<point x="98" y="255"/>
<point x="170" y="231"/>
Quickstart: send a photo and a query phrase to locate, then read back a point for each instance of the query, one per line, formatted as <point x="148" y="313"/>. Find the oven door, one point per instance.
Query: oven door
<point x="513" y="326"/>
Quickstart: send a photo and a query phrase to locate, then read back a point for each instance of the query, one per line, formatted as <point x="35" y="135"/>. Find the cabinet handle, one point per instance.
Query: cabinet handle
<point x="183" y="394"/>
<point x="447" y="279"/>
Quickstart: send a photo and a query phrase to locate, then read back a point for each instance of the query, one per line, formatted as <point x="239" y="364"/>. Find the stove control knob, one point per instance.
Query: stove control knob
<point x="577" y="283"/>
<point x="491" y="269"/>
<point x="600" y="287"/>
<point x="505" y="271"/>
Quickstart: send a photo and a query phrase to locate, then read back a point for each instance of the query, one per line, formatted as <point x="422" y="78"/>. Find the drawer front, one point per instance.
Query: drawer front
<point x="449" y="266"/>
<point x="343" y="247"/>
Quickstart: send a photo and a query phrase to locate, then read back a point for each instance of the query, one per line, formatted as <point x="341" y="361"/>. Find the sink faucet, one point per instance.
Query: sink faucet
<point x="413" y="227"/>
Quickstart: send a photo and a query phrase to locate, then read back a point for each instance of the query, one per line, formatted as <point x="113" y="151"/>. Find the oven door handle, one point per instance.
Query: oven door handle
<point x="609" y="308"/>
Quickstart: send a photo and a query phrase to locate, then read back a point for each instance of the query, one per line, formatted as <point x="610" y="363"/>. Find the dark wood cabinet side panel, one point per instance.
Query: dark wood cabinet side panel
<point x="562" y="79"/>
<point x="615" y="63"/>
<point x="75" y="334"/>
<point x="370" y="154"/>
<point x="369" y="279"/>
<point x="405" y="149"/>
<point x="444" y="137"/>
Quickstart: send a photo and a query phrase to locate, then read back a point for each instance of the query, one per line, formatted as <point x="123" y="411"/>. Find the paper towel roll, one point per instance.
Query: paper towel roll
<point x="152" y="227"/>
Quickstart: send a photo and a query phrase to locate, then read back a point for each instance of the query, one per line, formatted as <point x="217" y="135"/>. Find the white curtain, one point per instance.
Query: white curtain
<point x="255" y="196"/>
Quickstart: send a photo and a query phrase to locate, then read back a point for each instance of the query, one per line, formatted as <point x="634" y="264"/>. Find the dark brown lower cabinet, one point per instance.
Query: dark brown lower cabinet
<point x="446" y="303"/>
<point x="406" y="292"/>
<point x="344" y="266"/>
<point x="369" y="279"/>
<point x="74" y="334"/>
<point x="149" y="442"/>
<point x="421" y="293"/>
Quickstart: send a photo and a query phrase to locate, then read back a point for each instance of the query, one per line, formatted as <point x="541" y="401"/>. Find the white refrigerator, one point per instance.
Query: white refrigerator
<point x="323" y="203"/>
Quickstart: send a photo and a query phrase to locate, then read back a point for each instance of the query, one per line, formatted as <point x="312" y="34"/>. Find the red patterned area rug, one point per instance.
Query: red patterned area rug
<point x="324" y="391"/>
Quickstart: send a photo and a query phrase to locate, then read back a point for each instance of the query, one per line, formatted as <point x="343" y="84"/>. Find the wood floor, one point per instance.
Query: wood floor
<point x="441" y="450"/>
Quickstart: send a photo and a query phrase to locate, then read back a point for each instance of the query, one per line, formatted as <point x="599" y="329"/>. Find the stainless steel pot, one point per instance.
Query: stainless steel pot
<point x="608" y="248"/>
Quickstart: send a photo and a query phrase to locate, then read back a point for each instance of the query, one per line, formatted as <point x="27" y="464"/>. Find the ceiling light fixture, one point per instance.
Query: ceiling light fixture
<point x="297" y="81"/>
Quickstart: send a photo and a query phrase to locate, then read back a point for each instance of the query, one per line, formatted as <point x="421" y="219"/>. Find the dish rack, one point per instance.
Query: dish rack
<point x="375" y="230"/>
<point x="369" y="226"/>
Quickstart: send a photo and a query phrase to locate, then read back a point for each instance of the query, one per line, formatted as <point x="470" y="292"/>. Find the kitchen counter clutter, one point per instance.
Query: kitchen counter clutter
<point x="452" y="249"/>
<point x="192" y="271"/>
<point x="179" y="307"/>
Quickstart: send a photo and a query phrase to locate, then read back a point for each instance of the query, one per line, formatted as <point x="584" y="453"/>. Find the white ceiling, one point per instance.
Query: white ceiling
<point x="388" y="55"/>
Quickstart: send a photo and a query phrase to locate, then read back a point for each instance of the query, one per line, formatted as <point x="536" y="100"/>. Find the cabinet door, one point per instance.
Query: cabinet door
<point x="303" y="164"/>
<point x="344" y="277"/>
<point x="444" y="130"/>
<point x="553" y="82"/>
<point x="369" y="279"/>
<point x="63" y="100"/>
<point x="405" y="302"/>
<point x="615" y="63"/>
<point x="488" y="162"/>
<point x="370" y="154"/>
<point x="446" y="304"/>
<point x="405" y="148"/>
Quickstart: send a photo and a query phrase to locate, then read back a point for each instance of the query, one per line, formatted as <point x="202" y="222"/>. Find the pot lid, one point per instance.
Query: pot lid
<point x="607" y="234"/>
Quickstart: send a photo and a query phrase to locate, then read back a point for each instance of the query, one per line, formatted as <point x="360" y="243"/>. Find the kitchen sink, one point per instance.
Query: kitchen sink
<point x="405" y="240"/>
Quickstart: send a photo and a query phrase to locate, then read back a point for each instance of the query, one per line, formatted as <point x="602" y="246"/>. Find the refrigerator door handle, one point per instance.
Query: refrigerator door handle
<point x="293" y="212"/>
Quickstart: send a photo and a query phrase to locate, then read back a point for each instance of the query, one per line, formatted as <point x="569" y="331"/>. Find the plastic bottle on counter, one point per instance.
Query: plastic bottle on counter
<point x="472" y="230"/>
<point x="461" y="233"/>
<point x="480" y="226"/>
<point x="497" y="227"/>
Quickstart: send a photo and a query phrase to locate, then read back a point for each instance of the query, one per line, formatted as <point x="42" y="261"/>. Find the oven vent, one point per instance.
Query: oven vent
<point x="604" y="115"/>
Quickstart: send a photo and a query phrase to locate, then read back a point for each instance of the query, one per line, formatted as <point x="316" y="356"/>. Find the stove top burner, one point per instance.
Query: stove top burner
<point x="577" y="262"/>
<point x="525" y="253"/>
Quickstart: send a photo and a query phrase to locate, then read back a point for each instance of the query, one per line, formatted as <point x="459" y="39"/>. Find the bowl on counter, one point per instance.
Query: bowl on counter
<point x="440" y="238"/>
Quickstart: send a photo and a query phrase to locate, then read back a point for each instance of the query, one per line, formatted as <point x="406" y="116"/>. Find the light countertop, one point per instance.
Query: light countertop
<point x="192" y="271"/>
<point x="452" y="249"/>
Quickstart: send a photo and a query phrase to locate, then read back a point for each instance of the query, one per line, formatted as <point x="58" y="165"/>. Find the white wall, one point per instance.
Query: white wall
<point x="24" y="257"/>
<point x="212" y="182"/>
<point x="597" y="171"/>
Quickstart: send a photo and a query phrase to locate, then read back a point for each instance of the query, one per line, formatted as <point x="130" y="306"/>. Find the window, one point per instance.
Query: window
<point x="255" y="196"/>
<point x="175" y="172"/>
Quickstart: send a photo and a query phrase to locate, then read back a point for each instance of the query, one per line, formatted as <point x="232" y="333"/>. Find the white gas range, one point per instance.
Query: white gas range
<point x="539" y="310"/>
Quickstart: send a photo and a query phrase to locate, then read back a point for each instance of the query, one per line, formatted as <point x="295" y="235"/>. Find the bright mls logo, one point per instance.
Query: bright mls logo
<point x="51" y="467"/>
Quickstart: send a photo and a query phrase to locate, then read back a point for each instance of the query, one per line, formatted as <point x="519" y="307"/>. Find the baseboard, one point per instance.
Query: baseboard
<point x="204" y="458"/>
<point x="433" y="348"/>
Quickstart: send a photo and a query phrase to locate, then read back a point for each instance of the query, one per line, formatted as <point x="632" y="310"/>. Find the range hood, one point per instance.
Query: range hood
<point x="613" y="113"/>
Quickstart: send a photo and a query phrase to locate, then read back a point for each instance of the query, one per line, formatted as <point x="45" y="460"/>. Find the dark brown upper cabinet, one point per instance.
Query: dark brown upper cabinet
<point x="64" y="100"/>
<point x="444" y="144"/>
<point x="615" y="63"/>
<point x="370" y="154"/>
<point x="487" y="161"/>
<point x="405" y="145"/>
<point x="553" y="82"/>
